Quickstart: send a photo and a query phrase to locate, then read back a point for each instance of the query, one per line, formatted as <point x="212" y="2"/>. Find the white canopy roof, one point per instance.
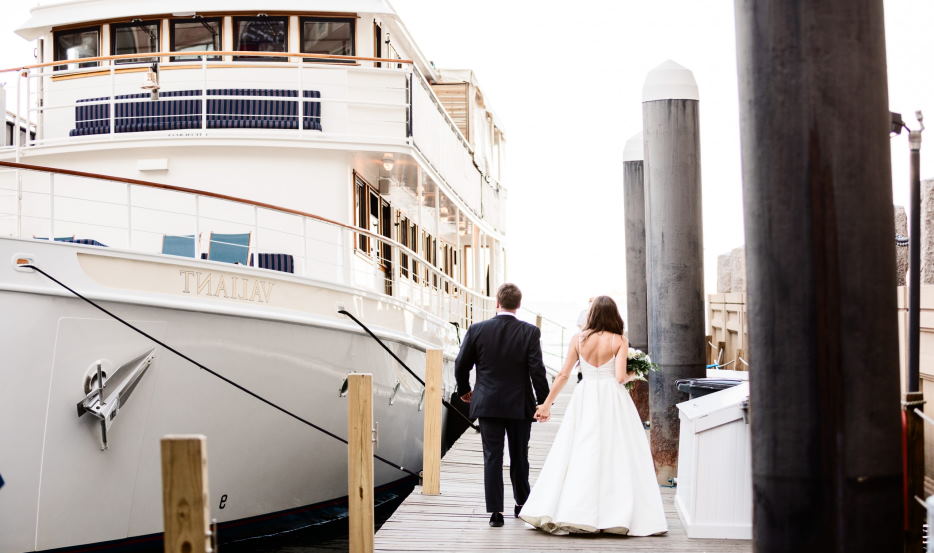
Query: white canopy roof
<point x="54" y="13"/>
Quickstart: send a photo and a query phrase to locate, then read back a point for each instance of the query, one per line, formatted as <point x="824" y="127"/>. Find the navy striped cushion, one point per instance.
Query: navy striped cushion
<point x="275" y="261"/>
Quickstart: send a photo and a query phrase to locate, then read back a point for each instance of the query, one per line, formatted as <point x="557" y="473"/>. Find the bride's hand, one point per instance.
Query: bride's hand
<point x="542" y="413"/>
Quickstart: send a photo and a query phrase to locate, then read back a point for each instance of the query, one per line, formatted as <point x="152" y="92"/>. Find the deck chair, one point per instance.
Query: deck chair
<point x="182" y="245"/>
<point x="230" y="248"/>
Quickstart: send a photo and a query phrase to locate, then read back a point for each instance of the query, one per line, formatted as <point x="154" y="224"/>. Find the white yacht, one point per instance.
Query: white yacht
<point x="228" y="178"/>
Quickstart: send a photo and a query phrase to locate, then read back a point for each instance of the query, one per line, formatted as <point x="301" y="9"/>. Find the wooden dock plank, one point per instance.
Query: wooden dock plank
<point x="456" y="520"/>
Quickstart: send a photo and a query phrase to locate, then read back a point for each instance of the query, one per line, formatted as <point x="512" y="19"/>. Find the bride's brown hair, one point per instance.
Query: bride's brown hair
<point x="604" y="317"/>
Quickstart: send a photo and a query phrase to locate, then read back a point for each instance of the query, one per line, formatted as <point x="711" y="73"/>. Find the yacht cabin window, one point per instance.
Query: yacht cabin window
<point x="135" y="37"/>
<point x="333" y="36"/>
<point x="75" y="44"/>
<point x="372" y="213"/>
<point x="201" y="34"/>
<point x="261" y="34"/>
<point x="413" y="245"/>
<point x="402" y="236"/>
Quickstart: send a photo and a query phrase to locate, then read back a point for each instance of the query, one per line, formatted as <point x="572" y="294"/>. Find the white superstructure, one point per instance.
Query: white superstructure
<point x="228" y="179"/>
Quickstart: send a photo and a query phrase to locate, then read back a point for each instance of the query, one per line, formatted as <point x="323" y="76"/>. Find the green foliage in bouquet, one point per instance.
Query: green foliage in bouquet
<point x="639" y="362"/>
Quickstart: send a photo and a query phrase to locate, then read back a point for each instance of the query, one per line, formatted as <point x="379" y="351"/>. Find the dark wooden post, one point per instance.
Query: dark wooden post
<point x="814" y="121"/>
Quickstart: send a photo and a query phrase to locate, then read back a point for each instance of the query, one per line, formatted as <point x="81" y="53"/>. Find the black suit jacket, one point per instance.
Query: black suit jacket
<point x="510" y="372"/>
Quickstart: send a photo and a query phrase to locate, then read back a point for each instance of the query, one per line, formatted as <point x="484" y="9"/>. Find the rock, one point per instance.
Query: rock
<point x="901" y="252"/>
<point x="724" y="276"/>
<point x="738" y="269"/>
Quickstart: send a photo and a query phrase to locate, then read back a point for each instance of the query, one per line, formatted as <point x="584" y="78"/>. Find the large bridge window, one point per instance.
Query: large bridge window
<point x="135" y="37"/>
<point x="333" y="36"/>
<point x="261" y="34"/>
<point x="201" y="34"/>
<point x="75" y="44"/>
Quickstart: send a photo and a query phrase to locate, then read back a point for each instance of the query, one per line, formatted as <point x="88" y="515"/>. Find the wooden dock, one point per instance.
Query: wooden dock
<point x="457" y="521"/>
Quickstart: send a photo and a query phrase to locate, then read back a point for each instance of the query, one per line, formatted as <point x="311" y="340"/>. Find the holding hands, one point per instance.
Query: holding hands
<point x="543" y="412"/>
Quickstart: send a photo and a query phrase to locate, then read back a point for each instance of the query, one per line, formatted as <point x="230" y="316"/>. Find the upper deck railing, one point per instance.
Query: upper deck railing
<point x="36" y="105"/>
<point x="39" y="202"/>
<point x="379" y="102"/>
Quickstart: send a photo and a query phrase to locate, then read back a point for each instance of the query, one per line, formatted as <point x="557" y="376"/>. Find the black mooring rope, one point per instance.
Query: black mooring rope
<point x="211" y="372"/>
<point x="406" y="367"/>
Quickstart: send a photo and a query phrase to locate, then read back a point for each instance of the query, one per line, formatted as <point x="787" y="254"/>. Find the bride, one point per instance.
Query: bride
<point x="599" y="475"/>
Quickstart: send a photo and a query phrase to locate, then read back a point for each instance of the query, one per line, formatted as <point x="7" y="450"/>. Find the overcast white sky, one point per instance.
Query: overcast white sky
<point x="565" y="81"/>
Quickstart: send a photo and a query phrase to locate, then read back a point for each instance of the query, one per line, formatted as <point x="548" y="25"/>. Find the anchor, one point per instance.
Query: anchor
<point x="107" y="394"/>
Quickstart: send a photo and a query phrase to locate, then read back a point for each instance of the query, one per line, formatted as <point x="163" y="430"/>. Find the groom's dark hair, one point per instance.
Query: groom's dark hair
<point x="509" y="296"/>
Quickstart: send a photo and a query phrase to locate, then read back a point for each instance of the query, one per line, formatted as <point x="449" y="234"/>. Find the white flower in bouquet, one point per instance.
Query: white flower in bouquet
<point x="638" y="362"/>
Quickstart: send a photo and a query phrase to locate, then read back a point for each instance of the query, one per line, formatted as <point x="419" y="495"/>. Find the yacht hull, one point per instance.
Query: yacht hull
<point x="268" y="472"/>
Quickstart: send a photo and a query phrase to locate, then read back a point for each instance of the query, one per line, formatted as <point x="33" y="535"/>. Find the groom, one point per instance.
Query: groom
<point x="510" y="383"/>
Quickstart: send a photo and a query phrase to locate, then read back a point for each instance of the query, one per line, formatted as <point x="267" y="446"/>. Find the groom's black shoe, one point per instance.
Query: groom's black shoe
<point x="517" y="509"/>
<point x="496" y="520"/>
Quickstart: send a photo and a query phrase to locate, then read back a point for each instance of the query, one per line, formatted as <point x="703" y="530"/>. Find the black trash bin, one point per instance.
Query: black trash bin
<point x="698" y="387"/>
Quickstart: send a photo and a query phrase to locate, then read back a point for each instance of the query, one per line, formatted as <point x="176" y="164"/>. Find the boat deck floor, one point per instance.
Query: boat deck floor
<point x="456" y="520"/>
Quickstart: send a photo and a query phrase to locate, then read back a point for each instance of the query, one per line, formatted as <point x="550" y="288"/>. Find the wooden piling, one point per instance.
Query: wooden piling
<point x="186" y="514"/>
<point x="431" y="439"/>
<point x="538" y="321"/>
<point x="914" y="477"/>
<point x="814" y="127"/>
<point x="636" y="308"/>
<point x="674" y="264"/>
<point x="360" y="462"/>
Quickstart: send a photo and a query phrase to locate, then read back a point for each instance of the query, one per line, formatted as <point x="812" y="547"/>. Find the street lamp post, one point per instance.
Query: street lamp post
<point x="914" y="256"/>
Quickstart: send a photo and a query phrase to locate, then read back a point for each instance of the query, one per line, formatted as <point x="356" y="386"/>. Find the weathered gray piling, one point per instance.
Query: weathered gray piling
<point x="814" y="120"/>
<point x="634" y="211"/>
<point x="674" y="245"/>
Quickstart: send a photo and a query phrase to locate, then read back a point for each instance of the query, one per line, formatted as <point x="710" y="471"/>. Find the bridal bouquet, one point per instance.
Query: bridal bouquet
<point x="639" y="362"/>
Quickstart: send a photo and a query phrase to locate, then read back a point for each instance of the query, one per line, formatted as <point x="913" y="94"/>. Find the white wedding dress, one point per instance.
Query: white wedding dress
<point x="599" y="475"/>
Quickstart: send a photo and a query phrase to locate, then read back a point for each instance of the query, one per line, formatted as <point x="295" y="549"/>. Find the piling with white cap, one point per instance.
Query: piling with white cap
<point x="634" y="210"/>
<point x="674" y="246"/>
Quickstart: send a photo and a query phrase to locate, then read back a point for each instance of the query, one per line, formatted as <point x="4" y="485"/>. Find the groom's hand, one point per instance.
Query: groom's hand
<point x="466" y="397"/>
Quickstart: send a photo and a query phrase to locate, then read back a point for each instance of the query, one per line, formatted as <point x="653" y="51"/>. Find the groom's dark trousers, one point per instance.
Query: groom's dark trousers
<point x="517" y="432"/>
<point x="510" y="382"/>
